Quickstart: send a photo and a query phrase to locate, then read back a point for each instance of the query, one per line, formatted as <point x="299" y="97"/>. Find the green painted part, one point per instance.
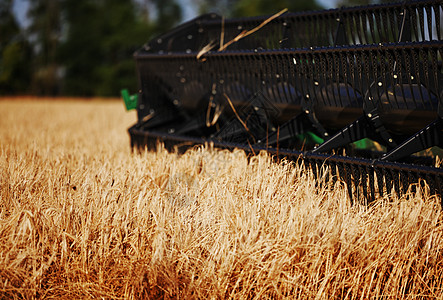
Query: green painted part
<point x="310" y="138"/>
<point x="315" y="138"/>
<point x="368" y="144"/>
<point x="363" y="144"/>
<point x="130" y="100"/>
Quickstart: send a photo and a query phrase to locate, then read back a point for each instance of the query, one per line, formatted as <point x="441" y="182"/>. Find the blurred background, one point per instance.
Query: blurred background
<point x="84" y="48"/>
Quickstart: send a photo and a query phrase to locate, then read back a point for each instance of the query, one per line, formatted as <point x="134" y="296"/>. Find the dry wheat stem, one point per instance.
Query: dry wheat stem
<point x="245" y="33"/>
<point x="223" y="46"/>
<point x="82" y="217"/>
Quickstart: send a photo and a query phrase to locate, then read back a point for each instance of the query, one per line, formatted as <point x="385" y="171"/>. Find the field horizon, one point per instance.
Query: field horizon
<point x="82" y="217"/>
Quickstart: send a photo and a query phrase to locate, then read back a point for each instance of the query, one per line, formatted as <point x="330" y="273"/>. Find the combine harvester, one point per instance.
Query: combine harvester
<point x="311" y="86"/>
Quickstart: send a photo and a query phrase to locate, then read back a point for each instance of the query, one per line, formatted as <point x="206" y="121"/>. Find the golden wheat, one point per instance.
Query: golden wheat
<point x="83" y="217"/>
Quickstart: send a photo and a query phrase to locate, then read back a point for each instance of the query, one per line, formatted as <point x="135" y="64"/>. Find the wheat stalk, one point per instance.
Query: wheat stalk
<point x="82" y="217"/>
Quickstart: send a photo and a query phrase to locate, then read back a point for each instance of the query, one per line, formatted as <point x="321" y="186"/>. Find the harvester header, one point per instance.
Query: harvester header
<point x="367" y="81"/>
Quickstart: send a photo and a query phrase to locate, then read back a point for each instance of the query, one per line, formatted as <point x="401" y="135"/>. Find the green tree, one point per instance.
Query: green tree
<point x="169" y="14"/>
<point x="101" y="37"/>
<point x="85" y="47"/>
<point x="45" y="32"/>
<point x="8" y="25"/>
<point x="360" y="2"/>
<point x="264" y="7"/>
<point x="100" y="40"/>
<point x="15" y="54"/>
<point x="221" y="7"/>
<point x="244" y="8"/>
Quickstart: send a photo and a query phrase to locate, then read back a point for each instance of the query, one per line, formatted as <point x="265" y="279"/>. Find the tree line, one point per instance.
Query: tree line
<point x="84" y="48"/>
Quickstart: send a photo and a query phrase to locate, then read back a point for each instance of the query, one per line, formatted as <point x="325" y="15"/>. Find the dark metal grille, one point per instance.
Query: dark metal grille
<point x="330" y="78"/>
<point x="324" y="79"/>
<point x="403" y="21"/>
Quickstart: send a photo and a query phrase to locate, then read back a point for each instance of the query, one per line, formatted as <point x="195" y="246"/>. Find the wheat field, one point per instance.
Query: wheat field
<point x="82" y="217"/>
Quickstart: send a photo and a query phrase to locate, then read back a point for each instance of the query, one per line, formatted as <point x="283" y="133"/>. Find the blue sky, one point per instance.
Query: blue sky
<point x="21" y="6"/>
